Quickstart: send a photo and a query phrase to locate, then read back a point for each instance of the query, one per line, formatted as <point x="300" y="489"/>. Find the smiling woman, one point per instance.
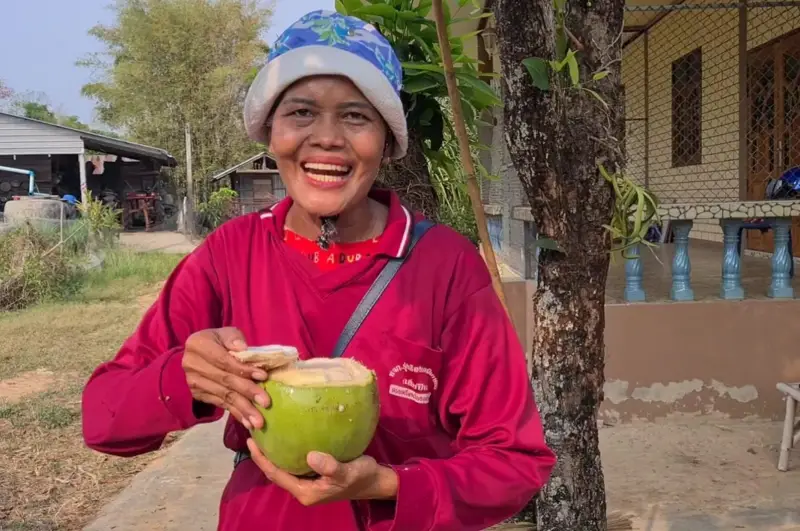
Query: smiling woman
<point x="329" y="142"/>
<point x="338" y="268"/>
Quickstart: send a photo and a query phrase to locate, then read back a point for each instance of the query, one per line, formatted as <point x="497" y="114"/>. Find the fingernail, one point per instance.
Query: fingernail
<point x="259" y="375"/>
<point x="262" y="401"/>
<point x="315" y="459"/>
<point x="254" y="421"/>
<point x="238" y="343"/>
<point x="247" y="424"/>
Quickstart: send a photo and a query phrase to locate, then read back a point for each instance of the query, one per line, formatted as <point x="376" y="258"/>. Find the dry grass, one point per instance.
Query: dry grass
<point x="49" y="480"/>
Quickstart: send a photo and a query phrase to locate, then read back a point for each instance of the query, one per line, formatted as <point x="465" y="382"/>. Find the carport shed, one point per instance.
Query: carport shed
<point x="58" y="156"/>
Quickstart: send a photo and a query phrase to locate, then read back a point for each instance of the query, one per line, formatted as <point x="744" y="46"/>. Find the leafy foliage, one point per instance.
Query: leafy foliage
<point x="635" y="207"/>
<point x="103" y="221"/>
<point x="406" y="25"/>
<point x="171" y="62"/>
<point x="218" y="209"/>
<point x="31" y="271"/>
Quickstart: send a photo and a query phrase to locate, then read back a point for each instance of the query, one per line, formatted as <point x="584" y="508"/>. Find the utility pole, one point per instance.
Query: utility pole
<point x="189" y="221"/>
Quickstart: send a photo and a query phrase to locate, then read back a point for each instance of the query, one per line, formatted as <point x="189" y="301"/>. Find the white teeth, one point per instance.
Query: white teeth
<point x="326" y="167"/>
<point x="324" y="178"/>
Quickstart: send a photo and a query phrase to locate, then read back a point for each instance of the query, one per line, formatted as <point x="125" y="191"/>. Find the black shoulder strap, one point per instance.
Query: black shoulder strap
<point x="376" y="290"/>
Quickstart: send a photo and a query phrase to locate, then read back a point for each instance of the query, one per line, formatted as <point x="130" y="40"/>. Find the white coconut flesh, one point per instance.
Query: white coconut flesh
<point x="268" y="357"/>
<point x="323" y="372"/>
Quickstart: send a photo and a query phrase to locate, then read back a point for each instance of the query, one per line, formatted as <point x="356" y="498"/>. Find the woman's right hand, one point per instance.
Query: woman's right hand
<point x="216" y="377"/>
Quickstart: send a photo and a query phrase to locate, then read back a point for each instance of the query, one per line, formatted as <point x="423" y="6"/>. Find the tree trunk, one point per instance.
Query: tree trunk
<point x="556" y="138"/>
<point x="409" y="177"/>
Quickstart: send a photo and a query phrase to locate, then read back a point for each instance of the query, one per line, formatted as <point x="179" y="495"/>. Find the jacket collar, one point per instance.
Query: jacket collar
<point x="396" y="236"/>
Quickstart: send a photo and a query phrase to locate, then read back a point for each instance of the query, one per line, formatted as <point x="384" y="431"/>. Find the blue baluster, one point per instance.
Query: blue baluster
<point x="731" y="261"/>
<point x="681" y="265"/>
<point x="633" y="276"/>
<point x="781" y="286"/>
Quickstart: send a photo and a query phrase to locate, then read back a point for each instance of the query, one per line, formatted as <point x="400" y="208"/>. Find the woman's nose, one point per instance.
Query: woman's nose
<point x="327" y="133"/>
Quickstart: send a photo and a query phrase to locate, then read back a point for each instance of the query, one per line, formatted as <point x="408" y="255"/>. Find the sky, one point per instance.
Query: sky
<point x="42" y="39"/>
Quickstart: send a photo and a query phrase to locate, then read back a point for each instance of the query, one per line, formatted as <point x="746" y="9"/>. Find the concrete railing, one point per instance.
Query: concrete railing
<point x="733" y="217"/>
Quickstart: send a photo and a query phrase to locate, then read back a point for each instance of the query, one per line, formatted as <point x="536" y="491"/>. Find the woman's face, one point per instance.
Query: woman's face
<point x="328" y="142"/>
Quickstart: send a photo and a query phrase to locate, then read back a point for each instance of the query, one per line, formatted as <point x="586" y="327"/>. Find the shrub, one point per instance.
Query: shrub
<point x="33" y="268"/>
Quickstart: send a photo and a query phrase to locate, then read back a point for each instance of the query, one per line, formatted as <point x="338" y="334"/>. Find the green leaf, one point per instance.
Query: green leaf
<point x="561" y="44"/>
<point x="547" y="243"/>
<point x="539" y="72"/>
<point x="413" y="16"/>
<point x="475" y="17"/>
<point x="424" y="7"/>
<point x="469" y="35"/>
<point x="423" y="66"/>
<point x="597" y="97"/>
<point x="484" y="94"/>
<point x="421" y="83"/>
<point x="381" y="10"/>
<point x="600" y="75"/>
<point x="340" y="7"/>
<point x="351" y="5"/>
<point x="574" y="72"/>
<point x="462" y="3"/>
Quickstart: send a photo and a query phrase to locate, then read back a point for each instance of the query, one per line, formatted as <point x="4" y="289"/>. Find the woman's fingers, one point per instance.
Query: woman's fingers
<point x="207" y="390"/>
<point x="209" y="345"/>
<point x="231" y="338"/>
<point x="218" y="402"/>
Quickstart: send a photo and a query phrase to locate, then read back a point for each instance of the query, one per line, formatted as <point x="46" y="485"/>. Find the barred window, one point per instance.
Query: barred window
<point x="687" y="87"/>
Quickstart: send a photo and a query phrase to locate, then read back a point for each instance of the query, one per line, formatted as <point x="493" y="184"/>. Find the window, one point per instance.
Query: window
<point x="278" y="188"/>
<point x="494" y="225"/>
<point x="687" y="87"/>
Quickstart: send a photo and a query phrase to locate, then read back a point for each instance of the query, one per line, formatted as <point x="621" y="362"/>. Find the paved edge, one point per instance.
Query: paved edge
<point x="179" y="491"/>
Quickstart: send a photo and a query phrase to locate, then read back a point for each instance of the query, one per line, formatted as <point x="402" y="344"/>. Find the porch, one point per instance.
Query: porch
<point x="706" y="276"/>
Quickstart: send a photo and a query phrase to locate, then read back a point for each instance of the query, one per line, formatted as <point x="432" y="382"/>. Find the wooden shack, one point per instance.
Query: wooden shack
<point x="256" y="180"/>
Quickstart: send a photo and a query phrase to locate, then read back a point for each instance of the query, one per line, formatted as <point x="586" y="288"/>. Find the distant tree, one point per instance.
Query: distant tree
<point x="6" y="93"/>
<point x="37" y="111"/>
<point x="171" y="62"/>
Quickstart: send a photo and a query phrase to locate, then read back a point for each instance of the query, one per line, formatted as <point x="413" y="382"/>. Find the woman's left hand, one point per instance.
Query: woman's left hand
<point x="360" y="479"/>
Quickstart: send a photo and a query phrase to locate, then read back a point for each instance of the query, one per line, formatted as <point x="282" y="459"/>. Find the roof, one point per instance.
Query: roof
<point x="225" y="173"/>
<point x="107" y="144"/>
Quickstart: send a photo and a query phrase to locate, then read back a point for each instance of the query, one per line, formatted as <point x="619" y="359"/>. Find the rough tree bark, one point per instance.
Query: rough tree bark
<point x="556" y="138"/>
<point x="409" y="177"/>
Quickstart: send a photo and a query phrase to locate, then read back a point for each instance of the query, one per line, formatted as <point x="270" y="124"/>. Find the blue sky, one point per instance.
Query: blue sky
<point x="42" y="39"/>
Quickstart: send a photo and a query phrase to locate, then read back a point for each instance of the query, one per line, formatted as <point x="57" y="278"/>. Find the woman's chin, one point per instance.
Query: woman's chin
<point x="323" y="206"/>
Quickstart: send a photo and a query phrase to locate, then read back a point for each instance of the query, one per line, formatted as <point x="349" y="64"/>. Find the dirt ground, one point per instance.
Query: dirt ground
<point x="48" y="479"/>
<point x="700" y="474"/>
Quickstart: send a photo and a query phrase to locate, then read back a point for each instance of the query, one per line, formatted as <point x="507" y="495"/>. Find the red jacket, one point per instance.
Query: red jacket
<point x="458" y="419"/>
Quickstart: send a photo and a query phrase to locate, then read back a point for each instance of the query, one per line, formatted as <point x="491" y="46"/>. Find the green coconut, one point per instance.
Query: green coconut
<point x="324" y="405"/>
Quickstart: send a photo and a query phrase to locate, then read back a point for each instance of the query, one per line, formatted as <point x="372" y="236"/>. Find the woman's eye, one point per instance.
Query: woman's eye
<point x="355" y="117"/>
<point x="301" y="113"/>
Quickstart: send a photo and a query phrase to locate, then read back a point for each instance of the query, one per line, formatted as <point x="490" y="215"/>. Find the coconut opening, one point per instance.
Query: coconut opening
<point x="323" y="372"/>
<point x="268" y="357"/>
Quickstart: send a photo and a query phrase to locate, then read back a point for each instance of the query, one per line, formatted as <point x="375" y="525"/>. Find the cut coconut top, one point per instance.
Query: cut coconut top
<point x="324" y="372"/>
<point x="268" y="357"/>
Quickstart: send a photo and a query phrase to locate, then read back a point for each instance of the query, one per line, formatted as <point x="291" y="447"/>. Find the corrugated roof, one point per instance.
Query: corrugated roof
<point x="113" y="146"/>
<point x="225" y="173"/>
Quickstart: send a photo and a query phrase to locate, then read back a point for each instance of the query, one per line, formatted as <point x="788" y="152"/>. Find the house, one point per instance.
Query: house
<point x="71" y="161"/>
<point x="256" y="180"/>
<point x="712" y="113"/>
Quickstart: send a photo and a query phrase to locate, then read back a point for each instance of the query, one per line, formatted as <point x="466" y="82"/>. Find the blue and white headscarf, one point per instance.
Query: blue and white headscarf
<point x="328" y="43"/>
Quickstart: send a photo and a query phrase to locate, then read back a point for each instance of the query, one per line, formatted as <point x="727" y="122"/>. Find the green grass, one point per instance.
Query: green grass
<point x="41" y="432"/>
<point x="124" y="272"/>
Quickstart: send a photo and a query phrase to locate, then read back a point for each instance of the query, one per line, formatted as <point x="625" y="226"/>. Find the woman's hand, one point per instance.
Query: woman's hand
<point x="218" y="378"/>
<point x="361" y="479"/>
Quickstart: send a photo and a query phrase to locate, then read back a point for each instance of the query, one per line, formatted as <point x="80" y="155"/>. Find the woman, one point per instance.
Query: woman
<point x="459" y="443"/>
